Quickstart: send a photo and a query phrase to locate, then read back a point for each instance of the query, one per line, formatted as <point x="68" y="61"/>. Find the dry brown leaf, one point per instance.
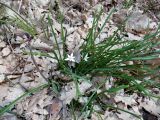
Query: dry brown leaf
<point x="8" y="116"/>
<point x="126" y="116"/>
<point x="150" y="105"/>
<point x="35" y="106"/>
<point x="3" y="69"/>
<point x="2" y="78"/>
<point x="42" y="2"/>
<point x="2" y="44"/>
<point x="6" y="51"/>
<point x="110" y="116"/>
<point x="126" y="99"/>
<point x="138" y="23"/>
<point x="9" y="63"/>
<point x="8" y="94"/>
<point x="55" y="109"/>
<point x="39" y="44"/>
<point x="68" y="95"/>
<point x="120" y="16"/>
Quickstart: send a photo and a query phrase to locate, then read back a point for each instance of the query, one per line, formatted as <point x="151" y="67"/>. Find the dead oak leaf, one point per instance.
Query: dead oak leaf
<point x="55" y="108"/>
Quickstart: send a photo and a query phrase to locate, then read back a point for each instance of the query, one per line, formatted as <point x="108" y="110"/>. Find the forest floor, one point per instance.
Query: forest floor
<point x="79" y="59"/>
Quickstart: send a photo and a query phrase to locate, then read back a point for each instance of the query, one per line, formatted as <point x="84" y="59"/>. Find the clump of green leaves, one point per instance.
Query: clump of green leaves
<point x="128" y="3"/>
<point x="111" y="56"/>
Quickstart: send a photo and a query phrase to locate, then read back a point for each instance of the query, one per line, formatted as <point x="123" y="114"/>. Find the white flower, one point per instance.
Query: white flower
<point x="86" y="57"/>
<point x="70" y="58"/>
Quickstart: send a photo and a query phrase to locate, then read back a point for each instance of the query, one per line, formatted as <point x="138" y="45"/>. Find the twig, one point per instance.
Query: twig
<point x="20" y="79"/>
<point x="35" y="63"/>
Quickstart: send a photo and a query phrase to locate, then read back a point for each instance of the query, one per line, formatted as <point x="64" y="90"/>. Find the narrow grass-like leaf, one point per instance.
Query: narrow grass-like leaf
<point x="55" y="38"/>
<point x="114" y="90"/>
<point x="117" y="108"/>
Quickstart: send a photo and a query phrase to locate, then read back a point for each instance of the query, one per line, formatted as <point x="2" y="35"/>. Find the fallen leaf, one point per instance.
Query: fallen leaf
<point x="69" y="95"/>
<point x="138" y="23"/>
<point x="35" y="105"/>
<point x="2" y="78"/>
<point x="55" y="108"/>
<point x="127" y="100"/>
<point x="6" y="51"/>
<point x="8" y="94"/>
<point x="150" y="105"/>
<point x="2" y="44"/>
<point x="109" y="115"/>
<point x="39" y="44"/>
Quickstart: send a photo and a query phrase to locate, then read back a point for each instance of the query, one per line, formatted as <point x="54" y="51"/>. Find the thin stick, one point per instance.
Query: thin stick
<point x="35" y="63"/>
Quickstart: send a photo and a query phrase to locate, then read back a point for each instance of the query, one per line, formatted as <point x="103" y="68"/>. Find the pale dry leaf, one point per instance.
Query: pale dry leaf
<point x="112" y="30"/>
<point x="97" y="108"/>
<point x="10" y="13"/>
<point x="32" y="80"/>
<point x="83" y="100"/>
<point x="39" y="44"/>
<point x="74" y="17"/>
<point x="4" y="89"/>
<point x="26" y="81"/>
<point x="109" y="83"/>
<point x="73" y="41"/>
<point x="8" y="116"/>
<point x="89" y="21"/>
<point x="97" y="116"/>
<point x="39" y="79"/>
<point x="138" y="22"/>
<point x="39" y="110"/>
<point x="126" y="116"/>
<point x="93" y="2"/>
<point x="153" y="6"/>
<point x="134" y="37"/>
<point x="55" y="109"/>
<point x="2" y="44"/>
<point x="120" y="16"/>
<point x="54" y="61"/>
<point x="13" y="76"/>
<point x="6" y="51"/>
<point x="68" y="96"/>
<point x="8" y="94"/>
<point x="150" y="105"/>
<point x="28" y="67"/>
<point x="126" y="99"/>
<point x="14" y="92"/>
<point x="35" y="117"/>
<point x="30" y="13"/>
<point x="82" y="31"/>
<point x="38" y="13"/>
<point x="1" y="60"/>
<point x="56" y="25"/>
<point x="109" y="115"/>
<point x="136" y="110"/>
<point x="9" y="63"/>
<point x="18" y="50"/>
<point x="35" y="105"/>
<point x="2" y="78"/>
<point x="3" y="69"/>
<point x="43" y="2"/>
<point x="47" y="101"/>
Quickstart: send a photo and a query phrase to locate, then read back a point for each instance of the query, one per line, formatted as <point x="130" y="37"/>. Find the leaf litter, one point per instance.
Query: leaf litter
<point x="78" y="20"/>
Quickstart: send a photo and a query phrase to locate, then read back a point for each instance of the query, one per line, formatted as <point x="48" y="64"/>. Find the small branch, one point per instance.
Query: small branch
<point x="34" y="62"/>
